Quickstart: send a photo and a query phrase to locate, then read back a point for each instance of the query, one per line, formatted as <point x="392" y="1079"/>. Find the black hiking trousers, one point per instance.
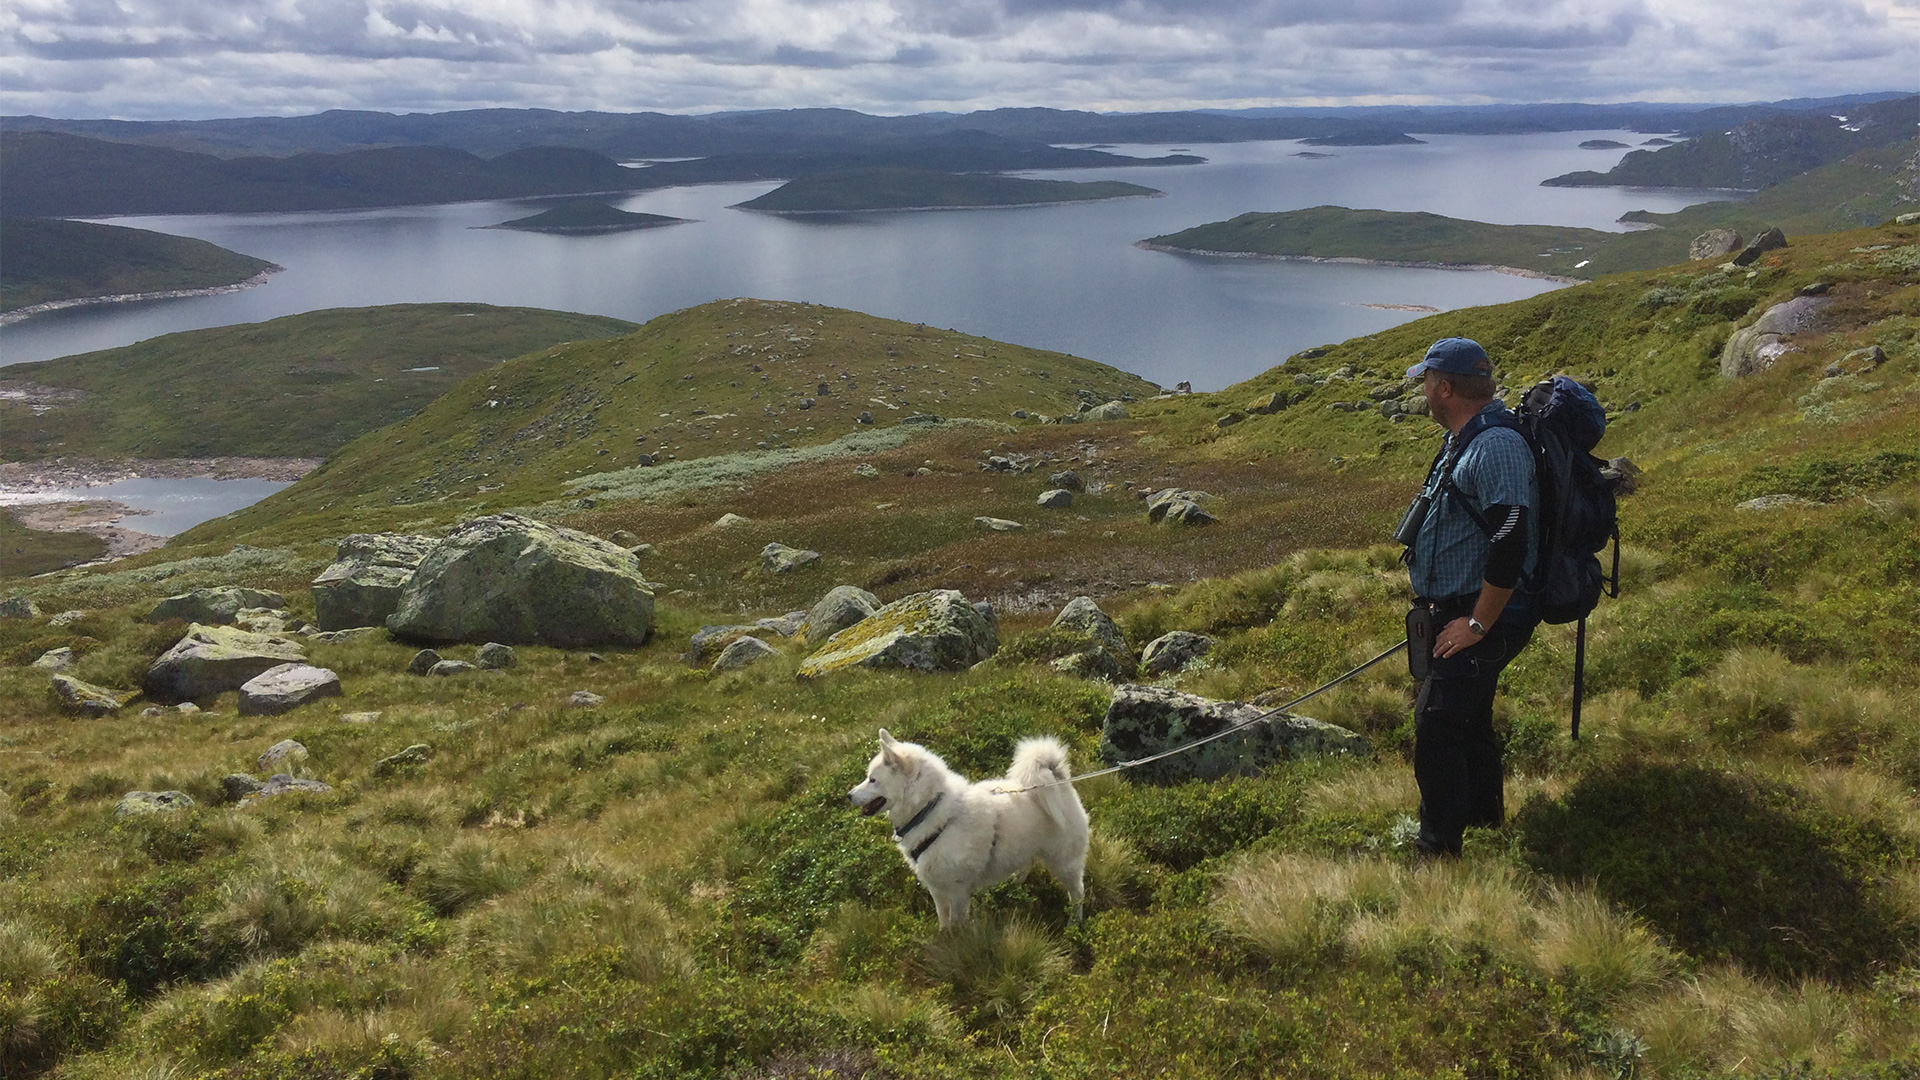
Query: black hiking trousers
<point x="1456" y="754"/>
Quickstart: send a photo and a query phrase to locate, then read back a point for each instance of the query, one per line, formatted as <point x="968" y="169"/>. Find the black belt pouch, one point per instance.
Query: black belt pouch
<point x="1422" y="625"/>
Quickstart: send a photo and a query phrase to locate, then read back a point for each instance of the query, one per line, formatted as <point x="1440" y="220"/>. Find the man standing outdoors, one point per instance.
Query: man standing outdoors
<point x="1474" y="546"/>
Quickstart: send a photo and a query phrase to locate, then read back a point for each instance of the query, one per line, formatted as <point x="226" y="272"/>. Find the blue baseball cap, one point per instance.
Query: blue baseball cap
<point x="1458" y="355"/>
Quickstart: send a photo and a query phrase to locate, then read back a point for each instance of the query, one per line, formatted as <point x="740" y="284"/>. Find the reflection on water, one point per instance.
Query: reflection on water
<point x="176" y="505"/>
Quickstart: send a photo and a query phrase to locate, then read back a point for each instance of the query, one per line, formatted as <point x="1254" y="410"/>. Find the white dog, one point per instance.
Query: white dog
<point x="960" y="838"/>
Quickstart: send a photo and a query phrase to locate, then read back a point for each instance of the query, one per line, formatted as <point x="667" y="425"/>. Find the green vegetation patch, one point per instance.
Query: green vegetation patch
<point x="25" y="552"/>
<point x="845" y="190"/>
<point x="46" y="259"/>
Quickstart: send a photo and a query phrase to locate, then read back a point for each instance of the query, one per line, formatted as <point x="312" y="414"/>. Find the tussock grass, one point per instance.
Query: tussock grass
<point x="996" y="967"/>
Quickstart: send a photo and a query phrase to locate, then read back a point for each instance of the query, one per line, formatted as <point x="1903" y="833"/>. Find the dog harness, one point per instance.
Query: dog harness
<point x="900" y="834"/>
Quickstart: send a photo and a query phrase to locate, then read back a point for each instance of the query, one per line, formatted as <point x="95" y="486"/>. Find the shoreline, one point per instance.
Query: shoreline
<point x="1515" y="271"/>
<point x="17" y="314"/>
<point x="917" y="209"/>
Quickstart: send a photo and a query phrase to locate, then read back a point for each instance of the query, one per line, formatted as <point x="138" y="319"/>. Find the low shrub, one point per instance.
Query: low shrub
<point x="1181" y="825"/>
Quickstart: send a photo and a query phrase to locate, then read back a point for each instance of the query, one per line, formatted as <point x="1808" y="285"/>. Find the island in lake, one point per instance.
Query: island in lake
<point x="584" y="217"/>
<point x="839" y="191"/>
<point x="1603" y="144"/>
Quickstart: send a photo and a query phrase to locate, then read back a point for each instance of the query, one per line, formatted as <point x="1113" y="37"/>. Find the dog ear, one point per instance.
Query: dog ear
<point x="888" y="749"/>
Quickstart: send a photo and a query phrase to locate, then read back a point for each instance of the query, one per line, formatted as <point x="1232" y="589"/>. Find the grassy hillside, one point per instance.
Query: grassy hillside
<point x="842" y="190"/>
<point x="586" y="216"/>
<point x="1335" y="232"/>
<point x="45" y="259"/>
<point x="297" y="386"/>
<point x="1722" y="879"/>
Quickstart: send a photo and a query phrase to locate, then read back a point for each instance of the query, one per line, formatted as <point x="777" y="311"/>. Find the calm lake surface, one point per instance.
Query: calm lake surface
<point x="1058" y="277"/>
<point x="175" y="505"/>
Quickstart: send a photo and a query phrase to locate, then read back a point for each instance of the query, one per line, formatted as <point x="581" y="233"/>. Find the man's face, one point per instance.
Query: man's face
<point x="1432" y="389"/>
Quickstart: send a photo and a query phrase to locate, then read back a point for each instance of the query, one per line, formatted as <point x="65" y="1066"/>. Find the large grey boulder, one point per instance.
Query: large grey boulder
<point x="211" y="660"/>
<point x="1173" y="651"/>
<point x="218" y="606"/>
<point x="1144" y="720"/>
<point x="143" y="803"/>
<point x="285" y="688"/>
<point x="1178" y="506"/>
<point x="494" y="656"/>
<point x="928" y="631"/>
<point x="1055" y="499"/>
<point x="843" y="606"/>
<point x="77" y="698"/>
<point x="1106" y="655"/>
<point x="363" y="585"/>
<point x="1771" y="240"/>
<point x="1754" y="348"/>
<point x="518" y="581"/>
<point x="1714" y="244"/>
<point x="288" y="752"/>
<point x="1112" y="410"/>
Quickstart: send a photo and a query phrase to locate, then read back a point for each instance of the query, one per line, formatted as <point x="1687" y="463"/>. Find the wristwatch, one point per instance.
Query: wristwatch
<point x="1475" y="625"/>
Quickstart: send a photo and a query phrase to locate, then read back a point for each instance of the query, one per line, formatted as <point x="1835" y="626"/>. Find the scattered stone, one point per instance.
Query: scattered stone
<point x="422" y="662"/>
<point x="1907" y="219"/>
<point x="784" y="625"/>
<point x="1143" y="720"/>
<point x="1177" y="507"/>
<point x="994" y="524"/>
<point x="1813" y="288"/>
<point x="742" y="652"/>
<point x="363" y="585"/>
<point x="359" y="717"/>
<point x="866" y="470"/>
<point x="1755" y="348"/>
<point x="1267" y="405"/>
<point x="928" y="631"/>
<point x="414" y="755"/>
<point x="237" y="786"/>
<point x="777" y="558"/>
<point x="341" y="637"/>
<point x="519" y="581"/>
<point x="1230" y="419"/>
<point x="447" y="668"/>
<point x="1019" y="414"/>
<point x="585" y="699"/>
<point x="211" y="660"/>
<point x="186" y="708"/>
<point x="286" y="751"/>
<point x="285" y="688"/>
<point x="1771" y="240"/>
<point x="77" y="698"/>
<point x="641" y="550"/>
<point x="1067" y="479"/>
<point x="494" y="656"/>
<point x="1083" y="617"/>
<point x="142" y="803"/>
<point x="1857" y="362"/>
<point x="1112" y="410"/>
<point x="626" y="538"/>
<point x="921" y="418"/>
<point x="595" y="658"/>
<point x="865" y="417"/>
<point x="283" y="784"/>
<point x="1173" y="651"/>
<point x="1622" y="473"/>
<point x="153" y="711"/>
<point x="1775" y="502"/>
<point x="1056" y="499"/>
<point x="18" y="607"/>
<point x="66" y="618"/>
<point x="1714" y="244"/>
<point x="729" y="521"/>
<point x="214" y="607"/>
<point x="55" y="659"/>
<point x="843" y="606"/>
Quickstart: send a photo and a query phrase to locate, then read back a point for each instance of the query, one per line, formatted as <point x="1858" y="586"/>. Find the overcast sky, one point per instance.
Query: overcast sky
<point x="151" y="59"/>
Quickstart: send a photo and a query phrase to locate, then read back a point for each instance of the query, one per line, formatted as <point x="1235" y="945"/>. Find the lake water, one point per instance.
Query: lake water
<point x="169" y="505"/>
<point x="1058" y="277"/>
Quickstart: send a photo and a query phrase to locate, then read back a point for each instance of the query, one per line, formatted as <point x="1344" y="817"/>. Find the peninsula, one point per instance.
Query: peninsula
<point x="839" y="191"/>
<point x="47" y="264"/>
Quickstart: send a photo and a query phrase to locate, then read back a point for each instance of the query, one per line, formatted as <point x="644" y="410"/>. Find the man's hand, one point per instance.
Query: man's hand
<point x="1454" y="637"/>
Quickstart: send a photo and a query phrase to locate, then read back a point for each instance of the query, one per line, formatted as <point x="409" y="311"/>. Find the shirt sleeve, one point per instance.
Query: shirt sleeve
<point x="1496" y="469"/>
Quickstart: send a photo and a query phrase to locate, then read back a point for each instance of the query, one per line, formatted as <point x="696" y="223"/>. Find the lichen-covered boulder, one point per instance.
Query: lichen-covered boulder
<point x="363" y="585"/>
<point x="215" y="607"/>
<point x="77" y="698"/>
<point x="282" y="784"/>
<point x="1082" y="616"/>
<point x="843" y="606"/>
<point x="1144" y="720"/>
<point x="518" y="581"/>
<point x="1714" y="244"/>
<point x="211" y="660"/>
<point x="285" y="688"/>
<point x="743" y="653"/>
<point x="289" y="752"/>
<point x="1172" y="651"/>
<point x="1755" y="348"/>
<point x="422" y="662"/>
<point x="929" y="631"/>
<point x="778" y="558"/>
<point x="1112" y="410"/>
<point x="55" y="659"/>
<point x="447" y="668"/>
<point x="494" y="656"/>
<point x="142" y="803"/>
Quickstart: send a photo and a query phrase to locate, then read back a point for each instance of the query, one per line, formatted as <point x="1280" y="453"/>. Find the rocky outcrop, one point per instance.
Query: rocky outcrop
<point x="76" y="698"/>
<point x="1105" y="655"/>
<point x="928" y="631"/>
<point x="1170" y="652"/>
<point x="215" y="607"/>
<point x="363" y="585"/>
<point x="1755" y="348"/>
<point x="283" y="784"/>
<point x="1178" y="506"/>
<point x="1056" y="499"/>
<point x="1771" y="240"/>
<point x="285" y="688"/>
<point x="518" y="581"/>
<point x="1144" y="720"/>
<point x="843" y="606"/>
<point x="1112" y="410"/>
<point x="211" y="660"/>
<point x="1714" y="244"/>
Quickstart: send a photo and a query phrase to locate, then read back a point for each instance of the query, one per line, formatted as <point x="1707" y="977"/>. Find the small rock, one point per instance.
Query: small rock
<point x="237" y="786"/>
<point x="937" y="630"/>
<point x="641" y="549"/>
<point x="66" y="618"/>
<point x="625" y="538"/>
<point x="1621" y="473"/>
<point x="55" y="659"/>
<point x="1019" y="414"/>
<point x="142" y="803"/>
<point x="359" y="717"/>
<point x="283" y="784"/>
<point x="1186" y="512"/>
<point x="422" y="662"/>
<point x="417" y="754"/>
<point x="494" y="656"/>
<point x="994" y="524"/>
<point x="865" y="417"/>
<point x="18" y="607"/>
<point x="186" y="708"/>
<point x="1230" y="419"/>
<point x="153" y="711"/>
<point x="784" y="625"/>
<point x="1775" y="502"/>
<point x="77" y="698"/>
<point x="866" y="469"/>
<point x="1173" y="651"/>
<point x="1267" y="405"/>
<point x="595" y="658"/>
<point x="1056" y="499"/>
<point x="1813" y="288"/>
<point x="285" y="688"/>
<point x="729" y="521"/>
<point x="264" y="620"/>
<point x="1090" y="664"/>
<point x="1083" y="617"/>
<point x="585" y="699"/>
<point x="742" y="652"/>
<point x="777" y="558"/>
<point x="284" y="752"/>
<point x="445" y="668"/>
<point x="1067" y="479"/>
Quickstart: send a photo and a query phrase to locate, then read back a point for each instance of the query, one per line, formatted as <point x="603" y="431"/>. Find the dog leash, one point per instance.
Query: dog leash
<point x="1221" y="734"/>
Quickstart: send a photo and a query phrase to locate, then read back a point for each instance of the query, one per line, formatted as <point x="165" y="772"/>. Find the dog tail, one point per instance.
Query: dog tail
<point x="1039" y="761"/>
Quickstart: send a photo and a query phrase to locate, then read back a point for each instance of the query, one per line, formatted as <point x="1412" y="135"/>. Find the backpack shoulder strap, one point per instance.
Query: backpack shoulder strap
<point x="1457" y="446"/>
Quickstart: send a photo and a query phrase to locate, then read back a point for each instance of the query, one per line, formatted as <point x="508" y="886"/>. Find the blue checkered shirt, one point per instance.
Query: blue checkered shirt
<point x="1449" y="557"/>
